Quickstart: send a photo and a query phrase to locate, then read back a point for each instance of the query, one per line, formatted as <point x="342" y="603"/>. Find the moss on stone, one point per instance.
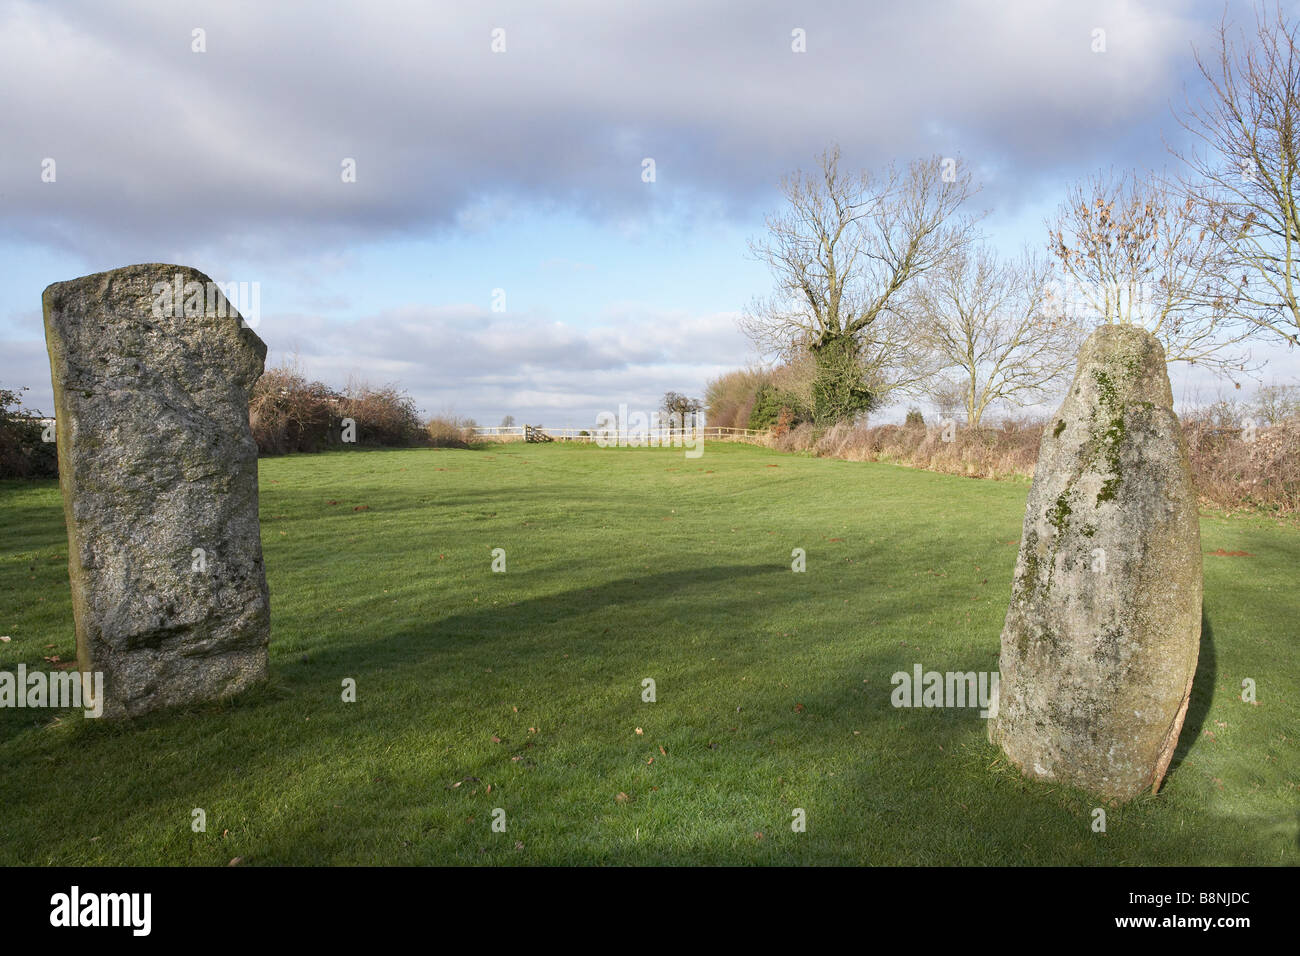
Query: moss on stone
<point x="1116" y="431"/>
<point x="1060" y="512"/>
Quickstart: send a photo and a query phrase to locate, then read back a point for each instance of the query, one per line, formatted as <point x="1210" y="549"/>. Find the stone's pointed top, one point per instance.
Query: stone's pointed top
<point x="130" y="287"/>
<point x="1133" y="361"/>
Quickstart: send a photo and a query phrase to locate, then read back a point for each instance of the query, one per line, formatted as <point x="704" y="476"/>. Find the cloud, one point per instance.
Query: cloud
<point x="173" y="153"/>
<point x="490" y="364"/>
<point x="234" y="155"/>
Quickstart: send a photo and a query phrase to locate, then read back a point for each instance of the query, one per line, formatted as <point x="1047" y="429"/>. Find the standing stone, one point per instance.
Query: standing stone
<point x="152" y="368"/>
<point x="1104" y="627"/>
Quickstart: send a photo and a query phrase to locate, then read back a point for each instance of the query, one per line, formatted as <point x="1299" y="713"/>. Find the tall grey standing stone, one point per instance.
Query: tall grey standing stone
<point x="1103" y="632"/>
<point x="158" y="470"/>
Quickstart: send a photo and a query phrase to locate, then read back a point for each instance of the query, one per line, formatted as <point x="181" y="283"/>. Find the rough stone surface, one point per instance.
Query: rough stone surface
<point x="1103" y="632"/>
<point x="158" y="471"/>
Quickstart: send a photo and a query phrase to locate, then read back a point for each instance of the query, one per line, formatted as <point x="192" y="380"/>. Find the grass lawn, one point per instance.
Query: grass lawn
<point x="523" y="691"/>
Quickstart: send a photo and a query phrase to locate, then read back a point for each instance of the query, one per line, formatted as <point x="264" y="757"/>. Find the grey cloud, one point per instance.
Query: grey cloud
<point x="244" y="142"/>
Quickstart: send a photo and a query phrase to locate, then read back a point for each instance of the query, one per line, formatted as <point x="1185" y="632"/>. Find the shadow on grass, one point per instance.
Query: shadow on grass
<point x="1198" y="707"/>
<point x="879" y="784"/>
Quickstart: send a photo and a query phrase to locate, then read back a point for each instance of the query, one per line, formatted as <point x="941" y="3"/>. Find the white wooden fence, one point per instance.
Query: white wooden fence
<point x="653" y="437"/>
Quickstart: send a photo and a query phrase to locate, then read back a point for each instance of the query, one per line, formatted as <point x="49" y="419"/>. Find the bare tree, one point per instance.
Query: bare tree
<point x="986" y="320"/>
<point x="1276" y="403"/>
<point x="841" y="252"/>
<point x="1244" y="170"/>
<point x="1133" y="252"/>
<point x="678" y="406"/>
<point x="947" y="397"/>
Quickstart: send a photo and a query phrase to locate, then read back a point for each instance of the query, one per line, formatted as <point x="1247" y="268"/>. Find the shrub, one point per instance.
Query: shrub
<point x="23" y="452"/>
<point x="800" y="437"/>
<point x="730" y="398"/>
<point x="449" y="432"/>
<point x="288" y="413"/>
<point x="1231" y="467"/>
<point x="774" y="407"/>
<point x="1234" y="467"/>
<point x="385" y="416"/>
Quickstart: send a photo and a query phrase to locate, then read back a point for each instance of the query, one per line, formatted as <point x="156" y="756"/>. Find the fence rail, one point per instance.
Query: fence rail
<point x="653" y="436"/>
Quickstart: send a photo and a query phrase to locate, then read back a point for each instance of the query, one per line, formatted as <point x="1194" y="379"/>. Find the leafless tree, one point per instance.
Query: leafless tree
<point x="1276" y="403"/>
<point x="678" y="407"/>
<point x="1132" y="251"/>
<point x="986" y="320"/>
<point x="947" y="396"/>
<point x="1244" y="166"/>
<point x="841" y="251"/>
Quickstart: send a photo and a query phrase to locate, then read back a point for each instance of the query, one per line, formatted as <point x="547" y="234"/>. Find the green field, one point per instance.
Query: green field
<point x="523" y="690"/>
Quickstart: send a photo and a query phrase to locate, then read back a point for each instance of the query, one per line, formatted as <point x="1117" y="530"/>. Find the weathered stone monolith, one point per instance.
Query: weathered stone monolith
<point x="152" y="368"/>
<point x="1103" y="632"/>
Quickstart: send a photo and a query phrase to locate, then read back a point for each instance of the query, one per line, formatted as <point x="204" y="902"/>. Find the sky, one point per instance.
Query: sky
<point x="500" y="251"/>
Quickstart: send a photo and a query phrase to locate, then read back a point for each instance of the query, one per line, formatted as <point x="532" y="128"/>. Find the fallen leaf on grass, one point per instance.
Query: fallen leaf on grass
<point x="662" y="751"/>
<point x="236" y="861"/>
<point x="622" y="797"/>
<point x="639" y="732"/>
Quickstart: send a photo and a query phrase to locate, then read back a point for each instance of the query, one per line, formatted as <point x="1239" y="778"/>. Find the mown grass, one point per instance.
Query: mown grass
<point x="772" y="687"/>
